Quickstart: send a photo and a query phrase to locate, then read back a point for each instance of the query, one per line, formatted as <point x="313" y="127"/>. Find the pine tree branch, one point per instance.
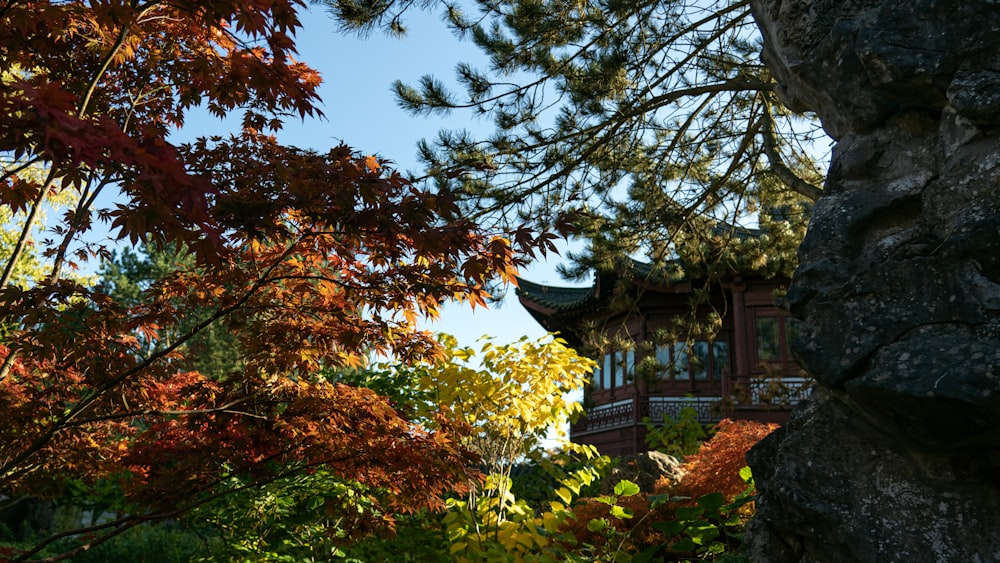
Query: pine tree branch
<point x="778" y="166"/>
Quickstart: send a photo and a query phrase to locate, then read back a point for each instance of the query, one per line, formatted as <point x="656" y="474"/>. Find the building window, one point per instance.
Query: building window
<point x="608" y="371"/>
<point x="768" y="338"/>
<point x="720" y="358"/>
<point x="774" y="338"/>
<point x="701" y="361"/>
<point x="616" y="368"/>
<point x="680" y="367"/>
<point x="627" y="368"/>
<point x="619" y="362"/>
<point x="672" y="361"/>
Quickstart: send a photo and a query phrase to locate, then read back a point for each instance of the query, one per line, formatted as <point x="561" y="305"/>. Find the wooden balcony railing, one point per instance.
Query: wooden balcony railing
<point x="656" y="407"/>
<point x="778" y="393"/>
<point x="774" y="391"/>
<point x="605" y="417"/>
<point x="623" y="413"/>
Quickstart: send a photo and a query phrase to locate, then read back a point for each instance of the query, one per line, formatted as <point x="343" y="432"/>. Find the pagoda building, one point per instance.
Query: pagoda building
<point x="643" y="330"/>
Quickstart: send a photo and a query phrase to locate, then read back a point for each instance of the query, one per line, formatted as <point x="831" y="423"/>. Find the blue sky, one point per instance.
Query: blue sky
<point x="360" y="110"/>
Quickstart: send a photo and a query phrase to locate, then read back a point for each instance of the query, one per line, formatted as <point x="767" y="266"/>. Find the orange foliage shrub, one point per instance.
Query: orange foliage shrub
<point x="716" y="466"/>
<point x="664" y="485"/>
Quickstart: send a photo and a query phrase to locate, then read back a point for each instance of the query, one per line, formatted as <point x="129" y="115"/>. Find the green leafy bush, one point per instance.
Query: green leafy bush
<point x="418" y="538"/>
<point x="152" y="543"/>
<point x="711" y="530"/>
<point x="679" y="437"/>
<point x="307" y="516"/>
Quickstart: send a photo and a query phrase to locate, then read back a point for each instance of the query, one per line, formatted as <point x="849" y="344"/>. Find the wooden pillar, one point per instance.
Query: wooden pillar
<point x="638" y="438"/>
<point x="741" y="338"/>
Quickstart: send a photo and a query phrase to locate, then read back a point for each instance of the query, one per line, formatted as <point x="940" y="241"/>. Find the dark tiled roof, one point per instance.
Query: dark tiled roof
<point x="647" y="272"/>
<point x="553" y="297"/>
<point x="640" y="269"/>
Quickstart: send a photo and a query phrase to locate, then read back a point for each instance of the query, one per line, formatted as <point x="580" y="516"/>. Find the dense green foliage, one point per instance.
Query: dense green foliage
<point x="679" y="437"/>
<point x="165" y="543"/>
<point x="304" y="517"/>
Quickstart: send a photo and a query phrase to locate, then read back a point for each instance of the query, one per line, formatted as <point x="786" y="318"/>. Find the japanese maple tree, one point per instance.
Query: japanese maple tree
<point x="311" y="259"/>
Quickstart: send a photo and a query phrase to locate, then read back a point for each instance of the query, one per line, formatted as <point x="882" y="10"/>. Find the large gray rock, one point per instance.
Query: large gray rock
<point x="643" y="469"/>
<point x="857" y="62"/>
<point x="898" y="289"/>
<point x="859" y="496"/>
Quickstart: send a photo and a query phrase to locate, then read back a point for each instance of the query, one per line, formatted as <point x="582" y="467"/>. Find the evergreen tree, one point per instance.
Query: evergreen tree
<point x="213" y="351"/>
<point x="651" y="125"/>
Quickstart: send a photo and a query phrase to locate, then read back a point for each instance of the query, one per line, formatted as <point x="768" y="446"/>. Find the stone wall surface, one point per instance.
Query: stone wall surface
<point x="898" y="289"/>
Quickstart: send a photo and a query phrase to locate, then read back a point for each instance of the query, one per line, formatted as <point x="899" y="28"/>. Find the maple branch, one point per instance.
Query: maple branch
<point x="227" y="408"/>
<point x="120" y="525"/>
<point x="83" y="206"/>
<point x="124" y="523"/>
<point x="20" y="167"/>
<point x="8" y="362"/>
<point x="29" y="223"/>
<point x="108" y="58"/>
<point x="317" y="277"/>
<point x="145" y="17"/>
<point x="43" y="194"/>
<point x="85" y="203"/>
<point x="89" y="400"/>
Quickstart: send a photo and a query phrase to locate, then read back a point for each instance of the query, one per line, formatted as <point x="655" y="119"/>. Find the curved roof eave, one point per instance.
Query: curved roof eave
<point x="549" y="300"/>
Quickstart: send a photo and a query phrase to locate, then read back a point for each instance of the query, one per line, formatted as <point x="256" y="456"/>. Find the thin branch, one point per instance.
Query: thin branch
<point x="731" y="85"/>
<point x="108" y="58"/>
<point x="695" y="52"/>
<point x="227" y="408"/>
<point x="778" y="166"/>
<point x="8" y="362"/>
<point x="29" y="224"/>
<point x="20" y="167"/>
<point x="124" y="523"/>
<point x="87" y="401"/>
<point x="86" y="200"/>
